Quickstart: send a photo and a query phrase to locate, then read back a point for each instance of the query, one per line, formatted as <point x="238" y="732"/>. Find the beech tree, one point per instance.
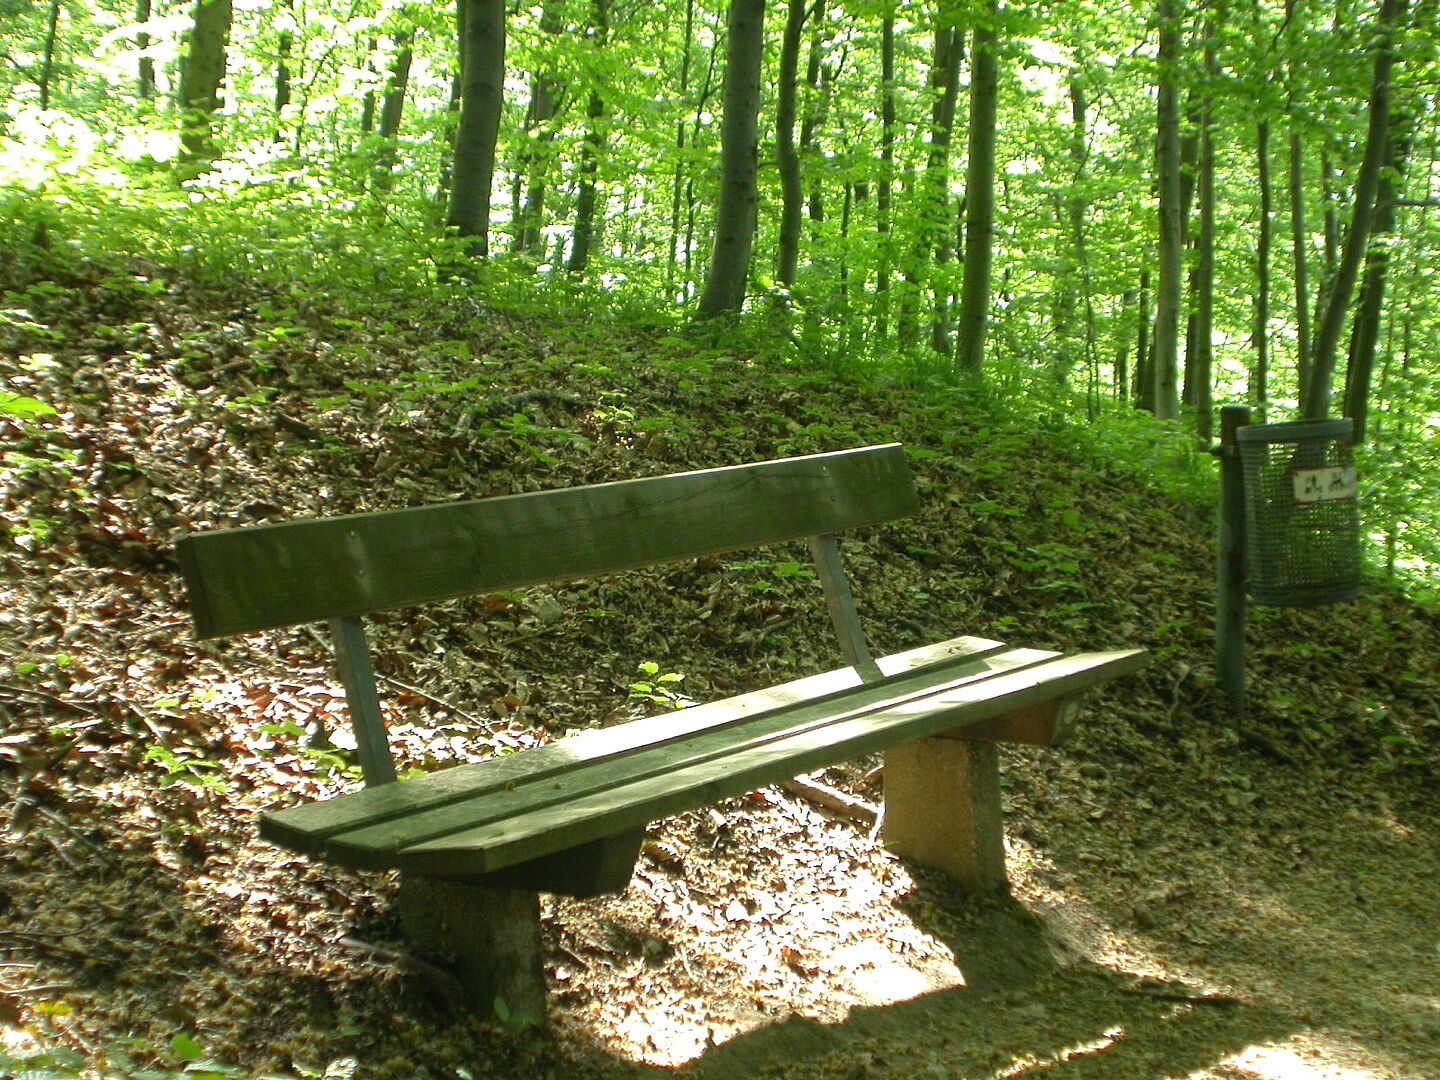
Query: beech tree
<point x="735" y="214"/>
<point x="482" y="96"/>
<point x="201" y="76"/>
<point x="979" y="194"/>
<point x="1165" y="362"/>
<point x="1316" y="405"/>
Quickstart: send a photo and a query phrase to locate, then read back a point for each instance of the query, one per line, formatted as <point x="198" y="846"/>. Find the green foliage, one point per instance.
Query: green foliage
<point x="186" y="768"/>
<point x="659" y="688"/>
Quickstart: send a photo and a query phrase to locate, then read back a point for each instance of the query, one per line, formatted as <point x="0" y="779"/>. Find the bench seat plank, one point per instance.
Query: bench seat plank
<point x="562" y="825"/>
<point x="376" y="845"/>
<point x="304" y="828"/>
<point x="516" y="823"/>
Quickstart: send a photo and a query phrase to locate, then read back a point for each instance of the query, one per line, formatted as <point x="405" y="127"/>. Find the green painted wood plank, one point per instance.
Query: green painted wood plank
<point x="375" y="846"/>
<point x="568" y="823"/>
<point x="305" y="828"/>
<point x="304" y="571"/>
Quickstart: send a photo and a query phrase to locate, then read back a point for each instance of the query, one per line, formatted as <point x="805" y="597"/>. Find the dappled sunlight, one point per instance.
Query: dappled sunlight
<point x="1294" y="1062"/>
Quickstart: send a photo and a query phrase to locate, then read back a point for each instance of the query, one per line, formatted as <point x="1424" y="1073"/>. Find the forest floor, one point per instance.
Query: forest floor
<point x="1191" y="899"/>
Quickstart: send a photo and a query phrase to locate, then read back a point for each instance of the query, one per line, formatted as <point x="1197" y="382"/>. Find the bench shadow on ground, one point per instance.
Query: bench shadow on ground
<point x="1032" y="1005"/>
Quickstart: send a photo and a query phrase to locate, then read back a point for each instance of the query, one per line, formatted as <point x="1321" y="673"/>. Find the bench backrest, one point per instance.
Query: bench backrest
<point x="269" y="576"/>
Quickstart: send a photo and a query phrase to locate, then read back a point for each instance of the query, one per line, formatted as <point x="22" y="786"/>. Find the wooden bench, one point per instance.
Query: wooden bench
<point x="475" y="843"/>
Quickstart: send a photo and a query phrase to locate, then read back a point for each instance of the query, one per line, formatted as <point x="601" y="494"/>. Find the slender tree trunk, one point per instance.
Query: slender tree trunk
<point x="47" y="63"/>
<point x="590" y="150"/>
<point x="681" y="167"/>
<point x="480" y="103"/>
<point x="739" y="134"/>
<point x="284" y="46"/>
<point x="368" y="102"/>
<point x="1204" y="364"/>
<point x="787" y="157"/>
<point x="1075" y="268"/>
<point x="1367" y="183"/>
<point x="1299" y="237"/>
<point x="1144" y="390"/>
<point x="932" y="238"/>
<point x="544" y="105"/>
<point x="818" y="82"/>
<point x="1165" y="364"/>
<point x="392" y="108"/>
<point x="1122" y="349"/>
<point x="887" y="170"/>
<point x="201" y="76"/>
<point x="145" y="85"/>
<point x="1365" y="335"/>
<point x="979" y="195"/>
<point x="457" y="93"/>
<point x="1260" y="378"/>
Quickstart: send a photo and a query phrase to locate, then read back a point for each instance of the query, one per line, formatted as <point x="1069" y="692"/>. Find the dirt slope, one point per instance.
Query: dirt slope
<point x="1192" y="900"/>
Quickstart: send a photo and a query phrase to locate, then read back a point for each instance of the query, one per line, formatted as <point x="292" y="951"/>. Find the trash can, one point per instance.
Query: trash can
<point x="1302" y="521"/>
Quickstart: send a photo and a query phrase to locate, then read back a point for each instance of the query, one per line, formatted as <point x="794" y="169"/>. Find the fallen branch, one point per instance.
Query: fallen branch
<point x="833" y="799"/>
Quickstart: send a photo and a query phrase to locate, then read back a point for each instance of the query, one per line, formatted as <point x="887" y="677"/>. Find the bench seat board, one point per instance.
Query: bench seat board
<point x="564" y="824"/>
<point x="522" y="821"/>
<point x="306" y="571"/>
<point x="718" y="742"/>
<point x="304" y="828"/>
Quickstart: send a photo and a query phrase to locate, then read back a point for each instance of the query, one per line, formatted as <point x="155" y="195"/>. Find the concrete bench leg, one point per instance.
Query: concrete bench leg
<point x="942" y="809"/>
<point x="492" y="934"/>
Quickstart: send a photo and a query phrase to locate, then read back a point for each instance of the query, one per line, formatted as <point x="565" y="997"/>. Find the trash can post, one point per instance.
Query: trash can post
<point x="1230" y="563"/>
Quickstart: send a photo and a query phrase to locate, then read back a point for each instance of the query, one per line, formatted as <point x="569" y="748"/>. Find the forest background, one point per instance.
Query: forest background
<point x="1095" y="206"/>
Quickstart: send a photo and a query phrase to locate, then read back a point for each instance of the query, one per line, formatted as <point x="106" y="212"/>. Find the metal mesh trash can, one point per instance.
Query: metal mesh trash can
<point x="1302" y="522"/>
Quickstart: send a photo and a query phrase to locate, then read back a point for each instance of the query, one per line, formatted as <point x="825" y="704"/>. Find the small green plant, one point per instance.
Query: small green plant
<point x="658" y="688"/>
<point x="774" y="572"/>
<point x="187" y="769"/>
<point x="332" y="759"/>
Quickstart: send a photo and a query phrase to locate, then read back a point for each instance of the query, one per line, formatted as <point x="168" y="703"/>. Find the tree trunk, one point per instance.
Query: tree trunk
<point x="1122" y="349"/>
<point x="1201" y="395"/>
<point x="539" y="125"/>
<point x="979" y="195"/>
<point x="887" y="169"/>
<point x="1367" y="183"/>
<point x="392" y="108"/>
<point x="818" y="79"/>
<point x="1366" y="333"/>
<point x="284" y="46"/>
<point x="1299" y="238"/>
<point x="145" y="85"/>
<point x="483" y="74"/>
<point x="47" y="63"/>
<point x="932" y="237"/>
<point x="787" y="157"/>
<point x="1144" y="389"/>
<point x="590" y="150"/>
<point x="367" y="103"/>
<point x="1260" y="379"/>
<point x="201" y="76"/>
<point x="1300" y="257"/>
<point x="1165" y="362"/>
<point x="735" y="215"/>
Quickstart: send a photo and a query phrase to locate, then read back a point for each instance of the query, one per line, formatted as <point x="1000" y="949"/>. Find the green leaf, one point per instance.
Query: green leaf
<point x="502" y="1010"/>
<point x="649" y="667"/>
<point x="26" y="408"/>
<point x="184" y="1046"/>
